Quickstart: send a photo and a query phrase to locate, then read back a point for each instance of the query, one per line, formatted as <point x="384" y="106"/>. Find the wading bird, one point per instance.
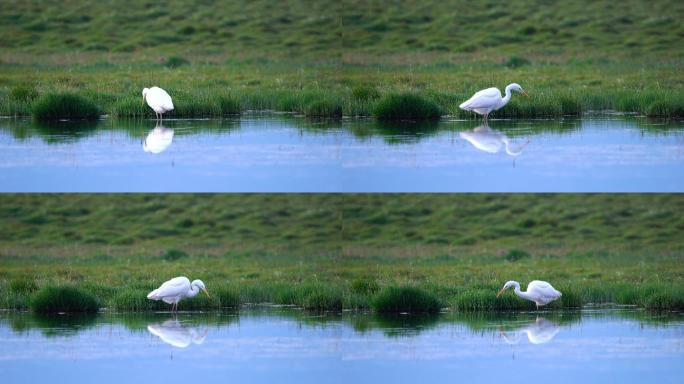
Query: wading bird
<point x="540" y="292"/>
<point x="158" y="100"/>
<point x="177" y="289"/>
<point x="488" y="100"/>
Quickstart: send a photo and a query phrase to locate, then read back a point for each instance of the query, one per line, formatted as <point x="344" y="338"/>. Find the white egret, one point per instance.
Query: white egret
<point x="172" y="332"/>
<point x="177" y="289"/>
<point x="488" y="100"/>
<point x="539" y="332"/>
<point x="158" y="139"/>
<point x="540" y="292"/>
<point x="158" y="100"/>
<point x="490" y="140"/>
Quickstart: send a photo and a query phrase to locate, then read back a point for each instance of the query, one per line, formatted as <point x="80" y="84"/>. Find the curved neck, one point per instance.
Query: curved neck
<point x="507" y="97"/>
<point x="520" y="293"/>
<point x="193" y="291"/>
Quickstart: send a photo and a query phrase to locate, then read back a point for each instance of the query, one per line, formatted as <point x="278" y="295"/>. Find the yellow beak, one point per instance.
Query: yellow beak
<point x="143" y="101"/>
<point x="205" y="291"/>
<point x="525" y="93"/>
<point x="500" y="292"/>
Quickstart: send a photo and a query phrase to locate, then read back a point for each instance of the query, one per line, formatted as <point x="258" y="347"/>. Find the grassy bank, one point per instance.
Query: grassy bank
<point x="336" y="252"/>
<point x="328" y="60"/>
<point x="206" y="90"/>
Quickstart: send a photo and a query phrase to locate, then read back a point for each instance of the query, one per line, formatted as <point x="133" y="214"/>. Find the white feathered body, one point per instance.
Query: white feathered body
<point x="158" y="100"/>
<point x="541" y="292"/>
<point x="174" y="290"/>
<point x="484" y="101"/>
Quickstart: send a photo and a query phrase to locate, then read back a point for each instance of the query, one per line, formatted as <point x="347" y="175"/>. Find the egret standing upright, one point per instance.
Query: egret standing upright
<point x="158" y="100"/>
<point x="488" y="100"/>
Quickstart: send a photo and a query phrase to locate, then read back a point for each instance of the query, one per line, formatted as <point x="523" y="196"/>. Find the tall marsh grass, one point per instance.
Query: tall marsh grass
<point x="53" y="299"/>
<point x="56" y="106"/>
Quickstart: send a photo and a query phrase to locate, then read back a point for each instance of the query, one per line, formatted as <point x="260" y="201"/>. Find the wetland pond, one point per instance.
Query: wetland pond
<point x="267" y="345"/>
<point x="282" y="153"/>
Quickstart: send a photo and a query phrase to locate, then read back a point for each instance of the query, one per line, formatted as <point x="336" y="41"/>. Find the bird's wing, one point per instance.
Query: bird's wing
<point x="163" y="98"/>
<point x="485" y="98"/>
<point x="543" y="289"/>
<point x="171" y="288"/>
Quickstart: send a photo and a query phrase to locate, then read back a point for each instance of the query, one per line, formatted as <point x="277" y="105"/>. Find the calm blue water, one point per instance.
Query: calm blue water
<point x="286" y="154"/>
<point x="286" y="345"/>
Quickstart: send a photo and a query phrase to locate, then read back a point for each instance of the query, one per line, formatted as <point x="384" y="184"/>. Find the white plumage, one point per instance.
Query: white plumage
<point x="540" y="292"/>
<point x="488" y="100"/>
<point x="158" y="100"/>
<point x="177" y="289"/>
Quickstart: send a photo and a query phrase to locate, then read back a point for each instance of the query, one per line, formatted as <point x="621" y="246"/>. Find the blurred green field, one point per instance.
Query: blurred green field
<point x="336" y="251"/>
<point x="320" y="58"/>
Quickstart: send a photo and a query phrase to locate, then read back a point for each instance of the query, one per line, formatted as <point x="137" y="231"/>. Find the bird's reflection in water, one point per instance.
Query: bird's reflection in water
<point x="539" y="332"/>
<point x="174" y="333"/>
<point x="491" y="140"/>
<point x="158" y="139"/>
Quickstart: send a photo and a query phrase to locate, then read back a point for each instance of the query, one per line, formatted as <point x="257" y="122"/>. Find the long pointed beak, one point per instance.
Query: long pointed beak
<point x="205" y="291"/>
<point x="525" y="93"/>
<point x="143" y="101"/>
<point x="500" y="292"/>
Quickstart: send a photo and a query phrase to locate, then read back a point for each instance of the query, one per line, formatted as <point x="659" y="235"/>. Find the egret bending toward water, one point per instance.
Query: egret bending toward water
<point x="488" y="100"/>
<point x="158" y="100"/>
<point x="540" y="292"/>
<point x="177" y="289"/>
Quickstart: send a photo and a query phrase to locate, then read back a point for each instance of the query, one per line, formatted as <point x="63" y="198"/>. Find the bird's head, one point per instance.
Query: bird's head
<point x="509" y="284"/>
<point x="517" y="88"/>
<point x="200" y="284"/>
<point x="144" y="92"/>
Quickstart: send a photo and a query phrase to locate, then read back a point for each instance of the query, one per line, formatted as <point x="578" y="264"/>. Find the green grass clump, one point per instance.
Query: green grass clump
<point x="406" y="106"/>
<point x="23" y="92"/>
<point x="26" y="285"/>
<point x="175" y="62"/>
<point x="515" y="255"/>
<point x="325" y="299"/>
<point x="365" y="92"/>
<point x="229" y="105"/>
<point x="365" y="286"/>
<point x="174" y="254"/>
<point x="52" y="299"/>
<point x="666" y="108"/>
<point x="406" y="299"/>
<point x="56" y="106"/>
<point x="323" y="108"/>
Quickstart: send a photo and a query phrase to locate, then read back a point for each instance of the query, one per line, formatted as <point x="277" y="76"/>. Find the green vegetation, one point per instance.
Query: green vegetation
<point x="55" y="106"/>
<point x="348" y="251"/>
<point x="406" y="299"/>
<point x="406" y="107"/>
<point x="51" y="299"/>
<point x="345" y="61"/>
